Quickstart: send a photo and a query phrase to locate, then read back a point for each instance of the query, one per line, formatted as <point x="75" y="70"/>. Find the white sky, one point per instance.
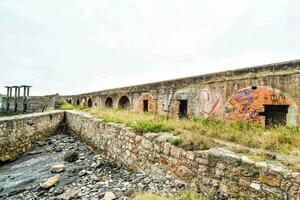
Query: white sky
<point x="75" y="46"/>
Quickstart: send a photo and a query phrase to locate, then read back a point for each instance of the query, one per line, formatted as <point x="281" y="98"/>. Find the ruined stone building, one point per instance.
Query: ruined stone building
<point x="15" y="102"/>
<point x="268" y="94"/>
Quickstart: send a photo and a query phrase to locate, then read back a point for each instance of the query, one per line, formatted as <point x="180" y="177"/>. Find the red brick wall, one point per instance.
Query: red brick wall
<point x="151" y="103"/>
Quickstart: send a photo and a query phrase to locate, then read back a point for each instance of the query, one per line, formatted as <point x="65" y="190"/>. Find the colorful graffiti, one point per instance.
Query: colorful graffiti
<point x="248" y="104"/>
<point x="209" y="101"/>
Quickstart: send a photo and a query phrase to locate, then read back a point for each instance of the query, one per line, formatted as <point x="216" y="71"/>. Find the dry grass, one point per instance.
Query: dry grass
<point x="191" y="131"/>
<point x="188" y="195"/>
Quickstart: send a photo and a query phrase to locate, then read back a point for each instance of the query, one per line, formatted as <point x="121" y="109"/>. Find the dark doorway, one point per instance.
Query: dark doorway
<point x="16" y="107"/>
<point x="78" y="102"/>
<point x="145" y="103"/>
<point x="90" y="103"/>
<point x="108" y="102"/>
<point x="124" y="103"/>
<point x="25" y="108"/>
<point x="182" y="109"/>
<point x="7" y="107"/>
<point x="275" y="114"/>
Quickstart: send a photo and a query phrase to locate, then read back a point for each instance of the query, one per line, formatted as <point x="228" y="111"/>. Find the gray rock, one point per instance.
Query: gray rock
<point x="71" y="155"/>
<point x="58" y="168"/>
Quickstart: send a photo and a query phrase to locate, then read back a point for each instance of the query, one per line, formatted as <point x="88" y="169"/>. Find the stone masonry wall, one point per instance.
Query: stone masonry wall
<point x="235" y="95"/>
<point x="217" y="171"/>
<point x="19" y="133"/>
<point x="29" y="104"/>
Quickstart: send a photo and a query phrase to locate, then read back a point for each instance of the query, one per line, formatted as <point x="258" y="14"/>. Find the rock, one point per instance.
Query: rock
<point x="255" y="186"/>
<point x="82" y="173"/>
<point x="69" y="194"/>
<point x="109" y="196"/>
<point x="71" y="155"/>
<point x="269" y="180"/>
<point x="58" y="168"/>
<point x="50" y="182"/>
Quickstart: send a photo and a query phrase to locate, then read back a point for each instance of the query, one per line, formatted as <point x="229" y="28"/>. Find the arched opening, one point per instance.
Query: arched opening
<point x="16" y="107"/>
<point x="7" y="106"/>
<point x="69" y="101"/>
<point x="24" y="108"/>
<point x="261" y="104"/>
<point x="90" y="103"/>
<point x="146" y="103"/>
<point x="124" y="103"/>
<point x="108" y="102"/>
<point x="78" y="102"/>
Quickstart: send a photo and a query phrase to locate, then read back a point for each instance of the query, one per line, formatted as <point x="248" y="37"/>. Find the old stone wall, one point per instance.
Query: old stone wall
<point x="29" y="104"/>
<point x="19" y="133"/>
<point x="250" y="95"/>
<point x="217" y="171"/>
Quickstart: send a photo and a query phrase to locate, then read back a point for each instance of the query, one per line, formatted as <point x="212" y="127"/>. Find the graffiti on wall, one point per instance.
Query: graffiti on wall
<point x="248" y="104"/>
<point x="209" y="101"/>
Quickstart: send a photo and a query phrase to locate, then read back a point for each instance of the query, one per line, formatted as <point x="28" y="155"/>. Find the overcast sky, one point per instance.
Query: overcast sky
<point x="75" y="46"/>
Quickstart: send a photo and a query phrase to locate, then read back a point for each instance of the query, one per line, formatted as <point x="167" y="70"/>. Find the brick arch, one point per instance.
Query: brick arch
<point x="251" y="104"/>
<point x="124" y="103"/>
<point x="108" y="103"/>
<point x="90" y="103"/>
<point x="150" y="101"/>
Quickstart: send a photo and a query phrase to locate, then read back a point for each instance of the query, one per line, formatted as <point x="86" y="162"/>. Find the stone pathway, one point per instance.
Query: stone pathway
<point x="42" y="173"/>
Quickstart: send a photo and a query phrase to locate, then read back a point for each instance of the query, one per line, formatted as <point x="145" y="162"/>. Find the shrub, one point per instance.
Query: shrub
<point x="177" y="141"/>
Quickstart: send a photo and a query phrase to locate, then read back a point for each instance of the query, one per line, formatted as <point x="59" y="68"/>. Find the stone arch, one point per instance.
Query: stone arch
<point x="146" y="103"/>
<point x="77" y="102"/>
<point x="124" y="103"/>
<point x="263" y="105"/>
<point x="90" y="103"/>
<point x="108" y="102"/>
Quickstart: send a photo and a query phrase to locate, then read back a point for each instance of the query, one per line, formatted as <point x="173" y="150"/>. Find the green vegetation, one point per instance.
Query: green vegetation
<point x="188" y="195"/>
<point x="66" y="106"/>
<point x="197" y="133"/>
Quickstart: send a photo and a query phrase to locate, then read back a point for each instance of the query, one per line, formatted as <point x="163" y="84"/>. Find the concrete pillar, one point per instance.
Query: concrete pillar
<point x="19" y="90"/>
<point x="16" y="91"/>
<point x="24" y="91"/>
<point x="10" y="92"/>
<point x="7" y="95"/>
<point x="28" y="91"/>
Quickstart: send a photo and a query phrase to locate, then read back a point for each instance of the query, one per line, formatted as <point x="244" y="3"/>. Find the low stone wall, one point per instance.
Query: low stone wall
<point x="18" y="133"/>
<point x="218" y="172"/>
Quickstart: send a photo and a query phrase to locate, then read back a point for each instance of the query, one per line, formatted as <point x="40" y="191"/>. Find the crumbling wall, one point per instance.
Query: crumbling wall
<point x="30" y="104"/>
<point x="213" y="95"/>
<point x="218" y="172"/>
<point x="19" y="133"/>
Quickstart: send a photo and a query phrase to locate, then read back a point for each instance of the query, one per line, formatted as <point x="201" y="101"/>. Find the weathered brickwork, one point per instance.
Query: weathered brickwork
<point x="247" y="104"/>
<point x="151" y="104"/>
<point x="226" y="95"/>
<point x="217" y="171"/>
<point x="18" y="134"/>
